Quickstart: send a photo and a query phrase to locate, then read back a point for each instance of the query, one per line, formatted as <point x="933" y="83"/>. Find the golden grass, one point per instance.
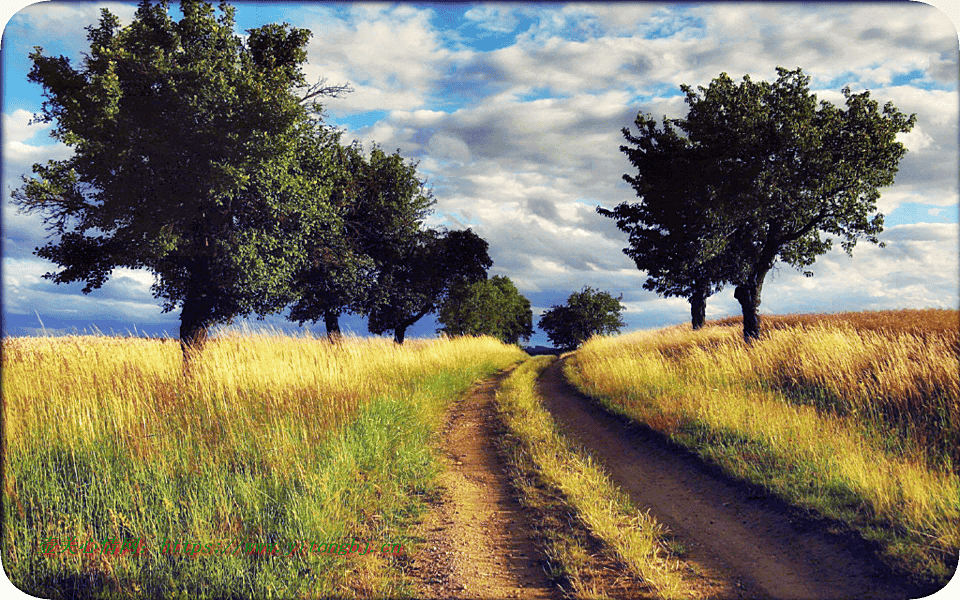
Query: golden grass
<point x="634" y="537"/>
<point x="76" y="387"/>
<point x="859" y="424"/>
<point x="274" y="438"/>
<point x="910" y="320"/>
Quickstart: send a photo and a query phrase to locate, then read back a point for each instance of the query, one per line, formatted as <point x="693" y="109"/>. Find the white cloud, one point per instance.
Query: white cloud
<point x="17" y="126"/>
<point x="448" y="147"/>
<point x="391" y="55"/>
<point x="61" y="24"/>
<point x="915" y="140"/>
<point x="500" y="18"/>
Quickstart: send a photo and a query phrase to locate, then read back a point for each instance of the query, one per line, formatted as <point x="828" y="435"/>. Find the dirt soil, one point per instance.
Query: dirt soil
<point x="751" y="545"/>
<point x="478" y="541"/>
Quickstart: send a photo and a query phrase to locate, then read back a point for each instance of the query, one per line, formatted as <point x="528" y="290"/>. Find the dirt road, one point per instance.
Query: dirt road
<point x="760" y="547"/>
<point x="478" y="542"/>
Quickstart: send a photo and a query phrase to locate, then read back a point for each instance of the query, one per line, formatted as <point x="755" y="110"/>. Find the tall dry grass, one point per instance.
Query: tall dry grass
<point x="856" y="422"/>
<point x="273" y="439"/>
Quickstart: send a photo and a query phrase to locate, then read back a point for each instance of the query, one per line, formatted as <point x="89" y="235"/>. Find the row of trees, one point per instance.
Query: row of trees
<point x="494" y="307"/>
<point x="755" y="173"/>
<point x="385" y="263"/>
<point x="203" y="157"/>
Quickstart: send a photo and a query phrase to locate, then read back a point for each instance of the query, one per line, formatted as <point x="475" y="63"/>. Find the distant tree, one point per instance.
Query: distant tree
<point x="382" y="203"/>
<point x="587" y="312"/>
<point x="186" y="142"/>
<point x="491" y="307"/>
<point x="420" y="279"/>
<point x="675" y="232"/>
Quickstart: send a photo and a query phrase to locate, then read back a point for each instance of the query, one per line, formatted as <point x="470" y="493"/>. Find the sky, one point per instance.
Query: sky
<point x="514" y="113"/>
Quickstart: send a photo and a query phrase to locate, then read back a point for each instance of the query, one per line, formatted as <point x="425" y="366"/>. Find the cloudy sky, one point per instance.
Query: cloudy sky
<point x="514" y="113"/>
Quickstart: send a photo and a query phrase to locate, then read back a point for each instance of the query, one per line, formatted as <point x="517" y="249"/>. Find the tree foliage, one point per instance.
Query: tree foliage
<point x="420" y="278"/>
<point x="781" y="172"/>
<point x="587" y="312"/>
<point x="382" y="203"/>
<point x="673" y="233"/>
<point x="187" y="145"/>
<point x="491" y="307"/>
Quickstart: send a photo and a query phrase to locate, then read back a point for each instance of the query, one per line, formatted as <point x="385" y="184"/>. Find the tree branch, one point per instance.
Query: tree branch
<point x="321" y="88"/>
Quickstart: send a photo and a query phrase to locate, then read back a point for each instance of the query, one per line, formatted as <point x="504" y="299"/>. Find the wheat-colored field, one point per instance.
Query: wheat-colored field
<point x="273" y="439"/>
<point x="853" y="416"/>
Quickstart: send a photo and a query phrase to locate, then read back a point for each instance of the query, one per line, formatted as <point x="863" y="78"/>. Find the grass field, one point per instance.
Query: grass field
<point x="275" y="440"/>
<point x="854" y="416"/>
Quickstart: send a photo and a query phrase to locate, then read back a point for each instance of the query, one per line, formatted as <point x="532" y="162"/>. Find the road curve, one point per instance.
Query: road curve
<point x="758" y="545"/>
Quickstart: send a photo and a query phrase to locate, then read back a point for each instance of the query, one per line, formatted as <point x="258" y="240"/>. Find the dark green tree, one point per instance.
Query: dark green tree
<point x="676" y="232"/>
<point x="770" y="174"/>
<point x="795" y="172"/>
<point x="587" y="313"/>
<point x="491" y="307"/>
<point x="187" y="143"/>
<point x="382" y="204"/>
<point x="418" y="281"/>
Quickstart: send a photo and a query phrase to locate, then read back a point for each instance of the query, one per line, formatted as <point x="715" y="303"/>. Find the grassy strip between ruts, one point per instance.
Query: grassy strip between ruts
<point x="558" y="481"/>
<point x="286" y="480"/>
<point x="739" y="407"/>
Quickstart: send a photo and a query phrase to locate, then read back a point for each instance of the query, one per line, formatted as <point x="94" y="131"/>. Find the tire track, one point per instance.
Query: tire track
<point x="478" y="541"/>
<point x="756" y="545"/>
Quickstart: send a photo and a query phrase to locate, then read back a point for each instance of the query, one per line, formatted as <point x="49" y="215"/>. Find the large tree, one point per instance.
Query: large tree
<point x="673" y="231"/>
<point x="187" y="142"/>
<point x="795" y="172"/>
<point x="586" y="313"/>
<point x="491" y="307"/>
<point x="782" y="173"/>
<point x="419" y="280"/>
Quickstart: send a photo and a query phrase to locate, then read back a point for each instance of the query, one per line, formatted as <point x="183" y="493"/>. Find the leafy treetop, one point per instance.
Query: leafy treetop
<point x="586" y="313"/>
<point x="187" y="145"/>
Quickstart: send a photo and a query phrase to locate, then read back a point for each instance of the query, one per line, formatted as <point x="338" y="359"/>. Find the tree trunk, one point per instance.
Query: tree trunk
<point x="698" y="306"/>
<point x="331" y="320"/>
<point x="194" y="326"/>
<point x="398" y="334"/>
<point x="196" y="317"/>
<point x="748" y="295"/>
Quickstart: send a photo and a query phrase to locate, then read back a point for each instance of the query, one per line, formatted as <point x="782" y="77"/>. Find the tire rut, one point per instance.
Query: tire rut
<point x="478" y="541"/>
<point x="757" y="546"/>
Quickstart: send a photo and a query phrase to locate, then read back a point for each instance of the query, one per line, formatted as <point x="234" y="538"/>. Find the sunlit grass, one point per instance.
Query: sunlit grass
<point x="632" y="536"/>
<point x="273" y="439"/>
<point x="858" y="424"/>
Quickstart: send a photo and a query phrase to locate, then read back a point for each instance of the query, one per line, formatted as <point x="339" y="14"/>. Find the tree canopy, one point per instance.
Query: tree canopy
<point x="418" y="281"/>
<point x="187" y="160"/>
<point x="673" y="233"/>
<point x="491" y="307"/>
<point x="382" y="203"/>
<point x="779" y="174"/>
<point x="586" y="313"/>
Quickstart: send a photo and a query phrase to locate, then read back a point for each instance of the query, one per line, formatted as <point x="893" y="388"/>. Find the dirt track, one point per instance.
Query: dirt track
<point x="478" y="543"/>
<point x="740" y="543"/>
<point x="758" y="547"/>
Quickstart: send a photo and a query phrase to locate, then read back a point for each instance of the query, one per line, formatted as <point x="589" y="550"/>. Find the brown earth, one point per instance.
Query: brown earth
<point x="478" y="538"/>
<point x="756" y="546"/>
<point x="740" y="542"/>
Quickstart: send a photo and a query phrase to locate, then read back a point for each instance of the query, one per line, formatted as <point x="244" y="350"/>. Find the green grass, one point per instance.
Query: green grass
<point x="268" y="476"/>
